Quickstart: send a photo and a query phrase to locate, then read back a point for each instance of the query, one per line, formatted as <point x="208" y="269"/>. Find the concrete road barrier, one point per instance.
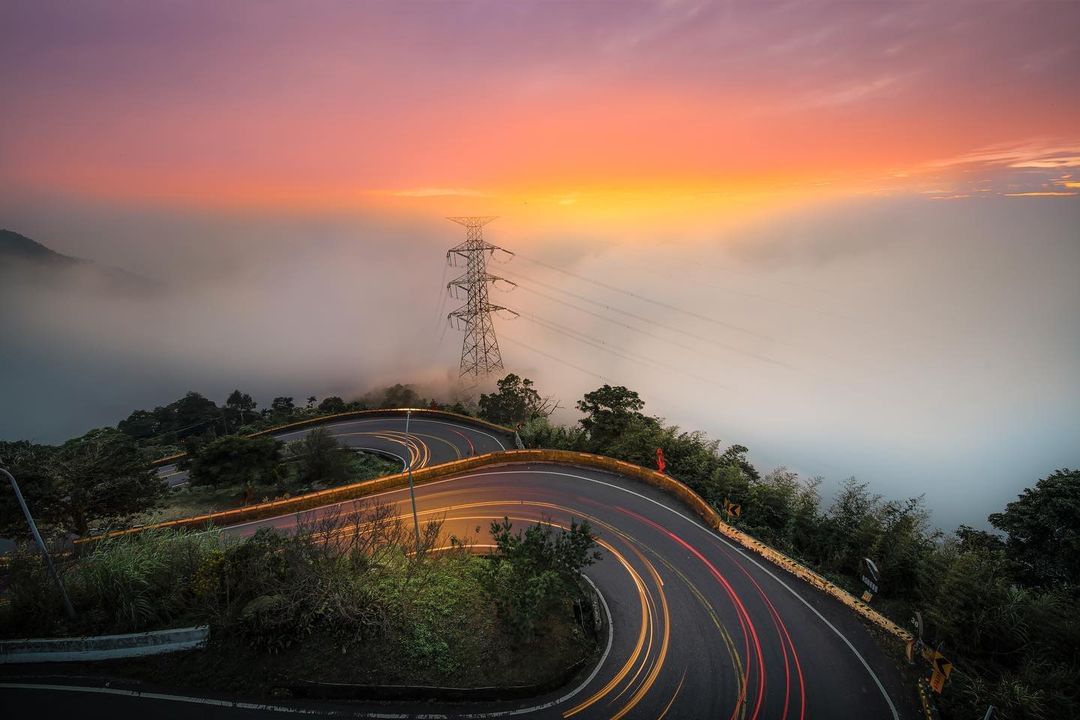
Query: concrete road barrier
<point x="103" y="647"/>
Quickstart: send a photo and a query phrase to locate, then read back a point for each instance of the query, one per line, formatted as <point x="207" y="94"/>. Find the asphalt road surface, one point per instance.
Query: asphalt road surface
<point x="699" y="628"/>
<point x="430" y="441"/>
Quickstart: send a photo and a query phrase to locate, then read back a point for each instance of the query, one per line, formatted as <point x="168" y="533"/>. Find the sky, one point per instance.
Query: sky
<point x="843" y="234"/>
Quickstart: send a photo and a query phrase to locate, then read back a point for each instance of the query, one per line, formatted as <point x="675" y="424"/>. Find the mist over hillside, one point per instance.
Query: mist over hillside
<point x="932" y="353"/>
<point x="24" y="261"/>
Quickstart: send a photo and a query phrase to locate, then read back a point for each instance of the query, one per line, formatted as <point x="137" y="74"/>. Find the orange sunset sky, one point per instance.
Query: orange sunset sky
<point x="578" y="110"/>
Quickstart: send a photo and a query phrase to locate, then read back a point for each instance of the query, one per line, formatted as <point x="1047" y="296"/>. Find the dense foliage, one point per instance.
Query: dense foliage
<point x="234" y="459"/>
<point x="99" y="478"/>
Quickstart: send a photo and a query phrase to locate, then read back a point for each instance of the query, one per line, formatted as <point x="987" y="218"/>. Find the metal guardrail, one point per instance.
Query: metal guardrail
<point x="651" y="477"/>
<point x="103" y="647"/>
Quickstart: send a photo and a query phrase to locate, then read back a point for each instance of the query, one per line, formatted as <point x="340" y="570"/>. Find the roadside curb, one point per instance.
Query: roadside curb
<point x="312" y="689"/>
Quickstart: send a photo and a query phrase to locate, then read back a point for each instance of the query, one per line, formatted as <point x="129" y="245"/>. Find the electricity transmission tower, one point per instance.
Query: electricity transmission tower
<point x="480" y="354"/>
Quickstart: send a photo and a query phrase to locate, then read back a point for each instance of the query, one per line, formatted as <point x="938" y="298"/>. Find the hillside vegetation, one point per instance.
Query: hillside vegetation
<point x="1002" y="605"/>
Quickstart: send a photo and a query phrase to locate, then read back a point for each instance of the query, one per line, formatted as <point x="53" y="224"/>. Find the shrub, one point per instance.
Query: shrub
<point x="534" y="570"/>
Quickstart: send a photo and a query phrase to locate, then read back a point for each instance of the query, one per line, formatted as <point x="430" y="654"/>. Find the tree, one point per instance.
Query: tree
<point x="100" y="476"/>
<point x="1043" y="527"/>
<point x="282" y="408"/>
<point x="770" y="505"/>
<point x="804" y="530"/>
<point x="852" y="525"/>
<point x="396" y="396"/>
<point x="193" y="414"/>
<point x="29" y="463"/>
<point x="321" y="458"/>
<point x="533" y="570"/>
<point x="637" y="440"/>
<point x="736" y="455"/>
<point x="540" y="433"/>
<point x="515" y="403"/>
<point x="903" y="546"/>
<point x="238" y="405"/>
<point x="609" y="411"/>
<point x="726" y="482"/>
<point x="235" y="460"/>
<point x="967" y="592"/>
<point x="332" y="405"/>
<point x="139" y="425"/>
<point x="310" y="402"/>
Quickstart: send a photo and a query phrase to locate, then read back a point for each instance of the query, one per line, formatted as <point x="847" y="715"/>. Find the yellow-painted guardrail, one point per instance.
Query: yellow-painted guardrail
<point x="658" y="480"/>
<point x="323" y="419"/>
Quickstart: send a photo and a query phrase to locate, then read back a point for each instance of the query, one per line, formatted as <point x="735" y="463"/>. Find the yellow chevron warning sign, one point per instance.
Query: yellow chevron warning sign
<point x="941" y="669"/>
<point x="732" y="508"/>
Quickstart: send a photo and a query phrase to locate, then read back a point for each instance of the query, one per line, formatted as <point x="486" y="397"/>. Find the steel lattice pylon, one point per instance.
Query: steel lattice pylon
<point x="480" y="354"/>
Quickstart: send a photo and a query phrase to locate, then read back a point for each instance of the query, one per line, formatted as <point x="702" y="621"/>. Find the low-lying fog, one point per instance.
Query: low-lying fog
<point x="929" y="347"/>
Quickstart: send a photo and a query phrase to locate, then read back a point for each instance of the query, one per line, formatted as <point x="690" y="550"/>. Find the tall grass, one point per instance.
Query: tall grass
<point x="131" y="583"/>
<point x="125" y="584"/>
<point x="270" y="588"/>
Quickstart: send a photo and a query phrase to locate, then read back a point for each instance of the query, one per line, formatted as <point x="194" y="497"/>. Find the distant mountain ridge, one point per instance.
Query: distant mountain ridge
<point x="43" y="265"/>
<point x="17" y="245"/>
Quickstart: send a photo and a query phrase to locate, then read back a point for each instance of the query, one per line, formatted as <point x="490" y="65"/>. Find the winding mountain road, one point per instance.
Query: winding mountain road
<point x="699" y="627"/>
<point x="429" y="441"/>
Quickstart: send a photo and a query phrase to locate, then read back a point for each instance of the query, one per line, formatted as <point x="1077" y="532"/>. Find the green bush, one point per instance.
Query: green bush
<point x="235" y="460"/>
<point x="534" y="570"/>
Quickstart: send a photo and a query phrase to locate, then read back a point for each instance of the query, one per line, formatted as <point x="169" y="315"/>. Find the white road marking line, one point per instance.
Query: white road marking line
<point x="208" y="701"/>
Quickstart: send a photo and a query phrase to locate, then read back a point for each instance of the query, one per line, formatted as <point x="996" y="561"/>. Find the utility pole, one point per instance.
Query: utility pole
<point x="412" y="492"/>
<point x="480" y="354"/>
<point x="41" y="544"/>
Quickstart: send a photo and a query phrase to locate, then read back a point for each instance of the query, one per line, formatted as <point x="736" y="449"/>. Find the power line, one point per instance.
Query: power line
<point x="624" y="353"/>
<point x="660" y="303"/>
<point x="640" y="318"/>
<point x="556" y="359"/>
<point x="444" y="293"/>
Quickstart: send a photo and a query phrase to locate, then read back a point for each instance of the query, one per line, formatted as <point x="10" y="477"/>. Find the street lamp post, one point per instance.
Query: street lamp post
<point x="40" y="543"/>
<point x="412" y="492"/>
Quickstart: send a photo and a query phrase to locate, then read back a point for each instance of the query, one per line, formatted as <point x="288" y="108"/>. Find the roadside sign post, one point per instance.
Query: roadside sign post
<point x="41" y="544"/>
<point x="412" y="492"/>
<point x="868" y="572"/>
<point x="916" y="644"/>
